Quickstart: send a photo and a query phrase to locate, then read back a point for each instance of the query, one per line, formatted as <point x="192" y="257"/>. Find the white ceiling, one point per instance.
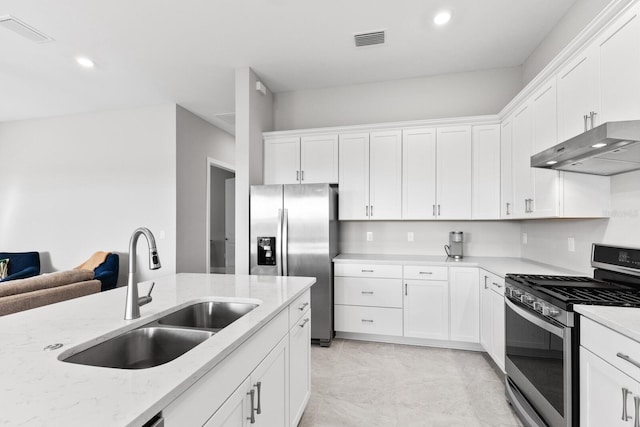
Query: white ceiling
<point x="185" y="51"/>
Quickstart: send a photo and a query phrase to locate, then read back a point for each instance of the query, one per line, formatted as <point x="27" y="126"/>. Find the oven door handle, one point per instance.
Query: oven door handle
<point x="535" y="319"/>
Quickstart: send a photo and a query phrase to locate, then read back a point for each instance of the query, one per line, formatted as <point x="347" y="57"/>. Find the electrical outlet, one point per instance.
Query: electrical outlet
<point x="410" y="236"/>
<point x="524" y="238"/>
<point x="161" y="235"/>
<point x="369" y="236"/>
<point x="571" y="244"/>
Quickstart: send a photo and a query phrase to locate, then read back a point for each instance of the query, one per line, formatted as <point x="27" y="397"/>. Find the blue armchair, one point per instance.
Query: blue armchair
<point x="107" y="272"/>
<point x="21" y="265"/>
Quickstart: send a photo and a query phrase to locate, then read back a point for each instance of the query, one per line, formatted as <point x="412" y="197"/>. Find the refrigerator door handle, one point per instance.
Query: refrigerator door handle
<point x="279" y="243"/>
<point x="285" y="242"/>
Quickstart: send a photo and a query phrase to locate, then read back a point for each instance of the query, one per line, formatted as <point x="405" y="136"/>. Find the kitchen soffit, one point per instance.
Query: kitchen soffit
<point x="150" y="52"/>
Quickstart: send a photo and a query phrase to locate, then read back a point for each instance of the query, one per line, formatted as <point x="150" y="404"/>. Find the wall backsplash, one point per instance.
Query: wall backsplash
<point x="482" y="238"/>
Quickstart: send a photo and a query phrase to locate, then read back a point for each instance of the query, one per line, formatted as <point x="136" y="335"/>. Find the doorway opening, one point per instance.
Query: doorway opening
<point x="221" y="222"/>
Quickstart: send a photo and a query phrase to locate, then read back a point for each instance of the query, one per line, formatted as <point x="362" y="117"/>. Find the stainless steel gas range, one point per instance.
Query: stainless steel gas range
<point x="542" y="332"/>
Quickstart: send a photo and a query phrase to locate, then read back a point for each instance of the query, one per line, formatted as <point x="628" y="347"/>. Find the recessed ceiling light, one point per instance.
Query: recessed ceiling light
<point x="85" y="62"/>
<point x="552" y="162"/>
<point x="599" y="145"/>
<point x="442" y="18"/>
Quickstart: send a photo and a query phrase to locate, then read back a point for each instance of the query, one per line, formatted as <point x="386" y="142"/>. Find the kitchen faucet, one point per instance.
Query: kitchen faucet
<point x="132" y="307"/>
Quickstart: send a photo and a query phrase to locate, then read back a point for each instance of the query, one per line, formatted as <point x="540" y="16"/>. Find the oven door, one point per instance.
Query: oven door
<point x="538" y="364"/>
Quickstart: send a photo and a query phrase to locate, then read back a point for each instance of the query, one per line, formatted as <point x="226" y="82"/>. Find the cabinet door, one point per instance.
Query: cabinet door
<point x="385" y="175"/>
<point x="453" y="171"/>
<point x="601" y="393"/>
<point x="419" y="173"/>
<point x="486" y="172"/>
<point x="270" y="380"/>
<point x="486" y="317"/>
<point x="282" y="160"/>
<point x="577" y="94"/>
<point x="522" y="178"/>
<point x="498" y="330"/>
<point x="353" y="168"/>
<point x="619" y="60"/>
<point x="506" y="169"/>
<point x="464" y="297"/>
<point x="319" y="159"/>
<point x="426" y="313"/>
<point x="545" y="183"/>
<point x="236" y="410"/>
<point x="299" y="368"/>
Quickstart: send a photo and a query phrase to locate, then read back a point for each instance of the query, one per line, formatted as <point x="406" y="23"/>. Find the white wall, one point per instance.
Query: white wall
<point x="547" y="240"/>
<point x="196" y="141"/>
<point x="482" y="238"/>
<point x="451" y="95"/>
<point x="254" y="115"/>
<point x="77" y="184"/>
<point x="577" y="17"/>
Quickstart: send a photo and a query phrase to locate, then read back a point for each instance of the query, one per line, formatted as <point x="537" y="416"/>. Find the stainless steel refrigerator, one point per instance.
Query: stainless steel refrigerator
<point x="294" y="230"/>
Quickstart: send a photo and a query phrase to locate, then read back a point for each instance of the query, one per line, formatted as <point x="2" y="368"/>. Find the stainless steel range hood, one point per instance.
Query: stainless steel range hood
<point x="608" y="149"/>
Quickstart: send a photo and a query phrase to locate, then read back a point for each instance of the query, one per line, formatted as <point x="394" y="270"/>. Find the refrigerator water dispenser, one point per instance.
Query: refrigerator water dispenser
<point x="266" y="251"/>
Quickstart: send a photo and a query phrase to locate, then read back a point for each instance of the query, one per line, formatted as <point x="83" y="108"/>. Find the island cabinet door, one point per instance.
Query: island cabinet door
<point x="299" y="367"/>
<point x="236" y="411"/>
<point x="270" y="382"/>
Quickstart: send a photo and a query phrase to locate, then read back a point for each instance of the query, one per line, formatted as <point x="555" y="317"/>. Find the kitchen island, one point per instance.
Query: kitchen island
<point x="37" y="389"/>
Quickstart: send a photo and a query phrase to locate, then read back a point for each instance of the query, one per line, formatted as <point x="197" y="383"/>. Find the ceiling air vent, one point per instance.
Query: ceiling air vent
<point x="17" y="26"/>
<point x="368" y="39"/>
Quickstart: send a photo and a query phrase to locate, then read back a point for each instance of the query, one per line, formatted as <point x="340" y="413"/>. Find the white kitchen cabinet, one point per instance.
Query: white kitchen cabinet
<point x="577" y="94"/>
<point x="426" y="309"/>
<point x="282" y="160"/>
<point x="418" y="173"/>
<point x="299" y="367"/>
<point x="619" y="66"/>
<point x="453" y="172"/>
<point x="609" y="378"/>
<point x="385" y="175"/>
<point x="521" y="150"/>
<point x="485" y="192"/>
<point x="506" y="168"/>
<point x="236" y="411"/>
<point x="492" y="316"/>
<point x="271" y="383"/>
<point x="464" y="304"/>
<point x="370" y="176"/>
<point x="301" y="160"/>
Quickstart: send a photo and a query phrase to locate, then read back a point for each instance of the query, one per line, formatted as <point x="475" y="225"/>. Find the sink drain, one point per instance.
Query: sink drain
<point x="53" y="347"/>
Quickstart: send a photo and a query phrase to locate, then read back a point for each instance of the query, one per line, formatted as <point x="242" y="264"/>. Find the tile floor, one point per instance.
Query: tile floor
<point x="373" y="384"/>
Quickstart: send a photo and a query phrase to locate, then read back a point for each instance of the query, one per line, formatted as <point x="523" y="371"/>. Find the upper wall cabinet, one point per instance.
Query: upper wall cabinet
<point x="370" y="176"/>
<point x="303" y="160"/>
<point x="436" y="180"/>
<point x="506" y="168"/>
<point x="485" y="148"/>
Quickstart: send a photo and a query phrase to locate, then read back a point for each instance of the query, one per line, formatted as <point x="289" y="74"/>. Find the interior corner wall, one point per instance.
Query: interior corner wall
<point x="254" y="115"/>
<point x="196" y="141"/>
<point x="450" y="95"/>
<point x="579" y="15"/>
<point x="73" y="185"/>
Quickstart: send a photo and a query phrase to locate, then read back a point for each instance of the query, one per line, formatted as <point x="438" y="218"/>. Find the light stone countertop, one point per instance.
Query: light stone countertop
<point x="496" y="265"/>
<point x="625" y="320"/>
<point x="37" y="389"/>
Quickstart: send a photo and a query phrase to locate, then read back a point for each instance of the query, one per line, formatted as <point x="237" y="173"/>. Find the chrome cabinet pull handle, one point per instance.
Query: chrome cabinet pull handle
<point x="301" y="175"/>
<point x="405" y="289"/>
<point x="252" y="418"/>
<point x="636" y="402"/>
<point x="434" y="210"/>
<point x="628" y="359"/>
<point x="426" y="272"/>
<point x="625" y="393"/>
<point x="508" y="205"/>
<point x="585" y="118"/>
<point x="371" y="210"/>
<point x="486" y="286"/>
<point x="367" y="292"/>
<point x="366" y="209"/>
<point x="304" y="322"/>
<point x="367" y="271"/>
<point x="258" y="385"/>
<point x="303" y="306"/>
<point x="367" y="320"/>
<point x="438" y="210"/>
<point x="592" y="116"/>
<point x="496" y="285"/>
<point x="297" y="175"/>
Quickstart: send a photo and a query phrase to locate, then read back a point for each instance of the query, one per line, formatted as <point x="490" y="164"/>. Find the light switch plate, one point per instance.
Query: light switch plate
<point x="410" y="236"/>
<point x="369" y="236"/>
<point x="571" y="244"/>
<point x="524" y="238"/>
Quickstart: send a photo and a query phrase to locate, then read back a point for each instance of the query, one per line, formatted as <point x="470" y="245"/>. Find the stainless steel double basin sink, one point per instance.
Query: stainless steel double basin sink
<point x="163" y="339"/>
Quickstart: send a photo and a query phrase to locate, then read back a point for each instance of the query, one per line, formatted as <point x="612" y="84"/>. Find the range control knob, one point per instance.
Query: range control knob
<point x="516" y="293"/>
<point x="537" y="306"/>
<point x="527" y="299"/>
<point x="550" y="311"/>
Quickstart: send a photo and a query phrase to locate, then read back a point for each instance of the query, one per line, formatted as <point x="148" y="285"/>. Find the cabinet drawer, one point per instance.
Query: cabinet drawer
<point x="425" y="272"/>
<point x="368" y="320"/>
<point x="368" y="270"/>
<point x="368" y="292"/>
<point x="299" y="307"/>
<point x="607" y="344"/>
<point x="492" y="281"/>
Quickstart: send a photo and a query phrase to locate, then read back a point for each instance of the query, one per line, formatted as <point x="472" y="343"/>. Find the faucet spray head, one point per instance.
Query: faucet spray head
<point x="154" y="260"/>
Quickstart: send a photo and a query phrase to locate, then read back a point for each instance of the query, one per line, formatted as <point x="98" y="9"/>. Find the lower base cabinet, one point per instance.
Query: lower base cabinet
<point x="492" y="316"/>
<point x="464" y="308"/>
<point x="299" y="367"/>
<point x="426" y="309"/>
